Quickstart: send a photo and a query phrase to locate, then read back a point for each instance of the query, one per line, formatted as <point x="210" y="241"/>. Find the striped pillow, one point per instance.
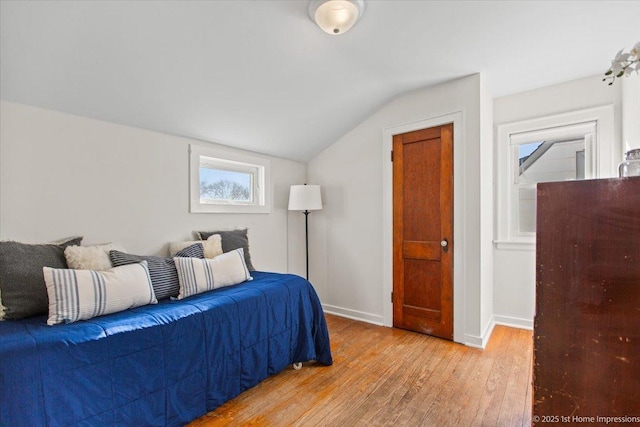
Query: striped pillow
<point x="164" y="276"/>
<point x="201" y="275"/>
<point x="83" y="294"/>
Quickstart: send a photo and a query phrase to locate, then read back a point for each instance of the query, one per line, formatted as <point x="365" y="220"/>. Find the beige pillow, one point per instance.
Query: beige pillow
<point x="212" y="246"/>
<point x="95" y="257"/>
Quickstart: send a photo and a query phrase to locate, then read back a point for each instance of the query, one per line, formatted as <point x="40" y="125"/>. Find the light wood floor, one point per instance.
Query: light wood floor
<point x="384" y="376"/>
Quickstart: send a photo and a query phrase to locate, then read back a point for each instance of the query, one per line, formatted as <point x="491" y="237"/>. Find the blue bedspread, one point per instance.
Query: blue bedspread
<point x="163" y="364"/>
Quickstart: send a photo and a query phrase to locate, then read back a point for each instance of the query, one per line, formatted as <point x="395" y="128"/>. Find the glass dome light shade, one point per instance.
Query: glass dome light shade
<point x="336" y="16"/>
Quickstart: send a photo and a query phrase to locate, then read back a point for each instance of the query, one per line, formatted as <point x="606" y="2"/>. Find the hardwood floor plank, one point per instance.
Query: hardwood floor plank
<point x="395" y="390"/>
<point x="364" y="385"/>
<point x="387" y="377"/>
<point x="470" y="396"/>
<point x="494" y="389"/>
<point x="401" y="394"/>
<point x="335" y="405"/>
<point x="426" y="413"/>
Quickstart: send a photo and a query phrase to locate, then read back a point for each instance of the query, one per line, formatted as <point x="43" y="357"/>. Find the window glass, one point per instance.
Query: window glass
<point x="219" y="185"/>
<point x="544" y="161"/>
<point x="550" y="161"/>
<point x="228" y="182"/>
<point x="527" y="209"/>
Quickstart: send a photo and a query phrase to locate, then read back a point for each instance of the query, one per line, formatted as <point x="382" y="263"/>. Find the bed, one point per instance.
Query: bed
<point x="164" y="364"/>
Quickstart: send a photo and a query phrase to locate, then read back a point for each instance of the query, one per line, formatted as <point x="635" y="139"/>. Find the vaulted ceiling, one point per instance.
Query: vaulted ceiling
<point x="259" y="75"/>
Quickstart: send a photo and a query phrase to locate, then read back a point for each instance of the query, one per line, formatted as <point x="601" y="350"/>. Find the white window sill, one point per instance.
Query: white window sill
<point x="252" y="209"/>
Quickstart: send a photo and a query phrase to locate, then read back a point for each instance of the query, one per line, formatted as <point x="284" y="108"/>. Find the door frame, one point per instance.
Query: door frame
<point x="459" y="259"/>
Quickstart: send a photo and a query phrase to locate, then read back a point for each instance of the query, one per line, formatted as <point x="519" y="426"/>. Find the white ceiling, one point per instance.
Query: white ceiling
<point x="259" y="75"/>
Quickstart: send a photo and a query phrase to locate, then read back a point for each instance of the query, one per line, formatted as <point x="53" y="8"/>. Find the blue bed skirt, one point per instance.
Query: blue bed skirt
<point x="163" y="364"/>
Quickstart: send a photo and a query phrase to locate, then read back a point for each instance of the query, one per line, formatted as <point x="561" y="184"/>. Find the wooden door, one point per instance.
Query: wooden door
<point x="423" y="231"/>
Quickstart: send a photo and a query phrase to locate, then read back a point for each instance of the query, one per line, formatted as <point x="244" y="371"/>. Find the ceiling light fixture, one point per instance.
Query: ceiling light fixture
<point x="336" y="16"/>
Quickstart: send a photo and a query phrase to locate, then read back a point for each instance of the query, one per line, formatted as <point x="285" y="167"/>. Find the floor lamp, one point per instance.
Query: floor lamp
<point x="305" y="198"/>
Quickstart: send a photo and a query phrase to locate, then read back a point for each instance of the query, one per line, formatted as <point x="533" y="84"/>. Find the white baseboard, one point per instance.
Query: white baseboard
<point x="353" y="314"/>
<point x="513" y="322"/>
<point x="469" y="340"/>
<point x="482" y="340"/>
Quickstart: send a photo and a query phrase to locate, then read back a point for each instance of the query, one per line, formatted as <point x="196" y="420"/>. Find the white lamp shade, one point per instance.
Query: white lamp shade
<point x="336" y="16"/>
<point x="305" y="198"/>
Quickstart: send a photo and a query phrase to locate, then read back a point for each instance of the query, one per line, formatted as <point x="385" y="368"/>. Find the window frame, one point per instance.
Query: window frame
<point x="601" y="158"/>
<point x="258" y="167"/>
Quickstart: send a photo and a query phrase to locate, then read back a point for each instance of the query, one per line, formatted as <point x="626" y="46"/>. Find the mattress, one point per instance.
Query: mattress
<point x="163" y="364"/>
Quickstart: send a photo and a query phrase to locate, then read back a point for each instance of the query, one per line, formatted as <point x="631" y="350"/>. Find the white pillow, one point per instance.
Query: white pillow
<point x="94" y="257"/>
<point x="200" y="275"/>
<point x="84" y="294"/>
<point x="1" y="309"/>
<point x="212" y="246"/>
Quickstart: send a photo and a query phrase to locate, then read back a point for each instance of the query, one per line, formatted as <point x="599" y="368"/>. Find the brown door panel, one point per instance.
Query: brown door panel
<point x="422" y="250"/>
<point x="423" y="231"/>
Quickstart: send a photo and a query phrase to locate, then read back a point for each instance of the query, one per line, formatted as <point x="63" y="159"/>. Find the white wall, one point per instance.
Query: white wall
<point x="348" y="251"/>
<point x="64" y="175"/>
<point x="514" y="270"/>
<point x="630" y="87"/>
<point x="486" y="212"/>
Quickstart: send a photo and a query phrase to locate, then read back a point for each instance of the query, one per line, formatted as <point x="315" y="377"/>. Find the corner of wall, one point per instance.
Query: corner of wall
<point x="630" y="87"/>
<point x="486" y="208"/>
<point x="481" y="340"/>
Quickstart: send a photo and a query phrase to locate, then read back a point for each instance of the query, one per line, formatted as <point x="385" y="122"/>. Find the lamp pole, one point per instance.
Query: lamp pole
<point x="306" y="237"/>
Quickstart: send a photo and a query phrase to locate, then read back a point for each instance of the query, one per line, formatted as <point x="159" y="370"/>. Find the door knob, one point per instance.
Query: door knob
<point x="444" y="243"/>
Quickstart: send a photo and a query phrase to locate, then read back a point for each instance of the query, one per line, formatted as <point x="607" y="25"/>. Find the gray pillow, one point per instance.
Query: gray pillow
<point x="162" y="271"/>
<point x="231" y="240"/>
<point x="24" y="292"/>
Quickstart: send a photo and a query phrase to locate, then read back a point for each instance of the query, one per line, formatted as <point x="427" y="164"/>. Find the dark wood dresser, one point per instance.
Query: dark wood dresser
<point x="587" y="322"/>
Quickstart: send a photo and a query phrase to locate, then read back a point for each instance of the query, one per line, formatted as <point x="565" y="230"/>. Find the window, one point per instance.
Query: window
<point x="560" y="157"/>
<point x="228" y="182"/>
<point x="558" y="148"/>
